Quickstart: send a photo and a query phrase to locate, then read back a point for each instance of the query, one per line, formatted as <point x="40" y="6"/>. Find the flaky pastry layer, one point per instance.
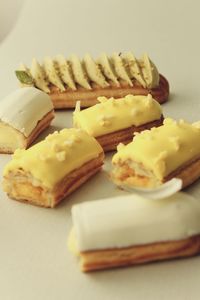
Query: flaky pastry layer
<point x="68" y="98"/>
<point x="110" y="141"/>
<point x="112" y="258"/>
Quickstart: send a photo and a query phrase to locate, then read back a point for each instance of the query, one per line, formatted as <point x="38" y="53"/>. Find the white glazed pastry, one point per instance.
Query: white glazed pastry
<point x="23" y="115"/>
<point x="130" y="229"/>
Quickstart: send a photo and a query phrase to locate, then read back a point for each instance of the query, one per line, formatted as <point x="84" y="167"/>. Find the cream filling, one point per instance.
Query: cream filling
<point x="132" y="174"/>
<point x="10" y="139"/>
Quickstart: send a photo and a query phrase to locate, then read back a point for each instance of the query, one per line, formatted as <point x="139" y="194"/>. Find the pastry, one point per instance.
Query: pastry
<point x="159" y="154"/>
<point x="72" y="79"/>
<point x="52" y="169"/>
<point x="130" y="230"/>
<point x="115" y="120"/>
<point x="24" y="114"/>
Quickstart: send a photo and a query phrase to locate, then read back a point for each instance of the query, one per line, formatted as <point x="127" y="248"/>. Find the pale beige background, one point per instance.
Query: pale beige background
<point x="34" y="261"/>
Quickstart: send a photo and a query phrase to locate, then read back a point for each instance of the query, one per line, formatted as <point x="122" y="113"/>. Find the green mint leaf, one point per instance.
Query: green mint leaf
<point x="24" y="77"/>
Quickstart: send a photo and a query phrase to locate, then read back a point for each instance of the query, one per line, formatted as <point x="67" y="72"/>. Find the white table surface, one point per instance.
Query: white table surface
<point x="34" y="260"/>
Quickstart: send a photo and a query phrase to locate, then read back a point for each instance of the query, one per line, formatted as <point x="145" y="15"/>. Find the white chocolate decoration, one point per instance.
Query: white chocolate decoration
<point x="79" y="73"/>
<point x="120" y="68"/>
<point x="107" y="68"/>
<point x="52" y="73"/>
<point x="65" y="71"/>
<point x="104" y="71"/>
<point x="39" y="76"/>
<point x="132" y="220"/>
<point x="149" y="70"/>
<point x="94" y="72"/>
<point x="24" y="108"/>
<point x="116" y="114"/>
<point x="134" y="68"/>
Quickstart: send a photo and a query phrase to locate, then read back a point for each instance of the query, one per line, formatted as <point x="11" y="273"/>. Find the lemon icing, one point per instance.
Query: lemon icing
<point x="23" y="108"/>
<point x="163" y="149"/>
<point x="105" y="71"/>
<point x="52" y="159"/>
<point x="133" y="220"/>
<point x="115" y="114"/>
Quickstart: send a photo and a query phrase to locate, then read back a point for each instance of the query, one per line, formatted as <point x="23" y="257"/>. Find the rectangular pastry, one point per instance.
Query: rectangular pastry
<point x="114" y="121"/>
<point x="24" y="114"/>
<point x="52" y="169"/>
<point x="130" y="230"/>
<point x="159" y="154"/>
<point x="72" y="79"/>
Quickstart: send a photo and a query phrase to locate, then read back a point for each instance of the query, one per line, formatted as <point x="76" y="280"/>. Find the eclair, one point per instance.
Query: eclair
<point x="24" y="114"/>
<point x="68" y="80"/>
<point x="114" y="121"/>
<point x="157" y="155"/>
<point x="131" y="230"/>
<point x="52" y="169"/>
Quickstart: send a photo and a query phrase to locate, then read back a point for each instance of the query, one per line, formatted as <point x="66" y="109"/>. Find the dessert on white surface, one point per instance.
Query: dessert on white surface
<point x="53" y="168"/>
<point x="68" y="80"/>
<point x="129" y="230"/>
<point x="113" y="121"/>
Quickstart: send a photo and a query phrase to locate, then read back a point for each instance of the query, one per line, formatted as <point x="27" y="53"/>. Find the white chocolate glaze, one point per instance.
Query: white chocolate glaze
<point x="23" y="108"/>
<point x="132" y="220"/>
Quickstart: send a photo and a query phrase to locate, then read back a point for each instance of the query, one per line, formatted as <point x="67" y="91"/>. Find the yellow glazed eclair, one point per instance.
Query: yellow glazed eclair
<point x="68" y="80"/>
<point x="52" y="169"/>
<point x="159" y="154"/>
<point x="130" y="230"/>
<point x="24" y="114"/>
<point x="116" y="120"/>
